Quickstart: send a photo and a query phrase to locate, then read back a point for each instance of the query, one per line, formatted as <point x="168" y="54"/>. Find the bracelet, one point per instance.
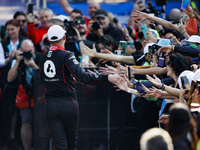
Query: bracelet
<point x="172" y="48"/>
<point x="183" y="32"/>
<point x="79" y="41"/>
<point x="163" y="87"/>
<point x="129" y="90"/>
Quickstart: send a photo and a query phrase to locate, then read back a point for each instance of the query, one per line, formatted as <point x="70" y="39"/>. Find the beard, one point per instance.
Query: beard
<point x="82" y="33"/>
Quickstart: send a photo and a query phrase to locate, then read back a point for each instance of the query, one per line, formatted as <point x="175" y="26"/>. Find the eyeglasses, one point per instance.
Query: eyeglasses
<point x="23" y="21"/>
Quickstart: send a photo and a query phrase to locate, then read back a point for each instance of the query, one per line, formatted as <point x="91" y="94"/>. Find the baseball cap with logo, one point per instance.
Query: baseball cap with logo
<point x="55" y="33"/>
<point x="101" y="13"/>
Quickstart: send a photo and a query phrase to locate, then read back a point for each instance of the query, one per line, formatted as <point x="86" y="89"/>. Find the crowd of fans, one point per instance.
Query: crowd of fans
<point x="157" y="60"/>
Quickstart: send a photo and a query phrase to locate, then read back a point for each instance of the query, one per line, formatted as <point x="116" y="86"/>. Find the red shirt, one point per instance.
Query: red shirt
<point x="87" y="22"/>
<point x="36" y="34"/>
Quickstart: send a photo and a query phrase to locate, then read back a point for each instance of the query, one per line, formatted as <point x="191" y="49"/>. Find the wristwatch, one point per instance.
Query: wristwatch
<point x="126" y="38"/>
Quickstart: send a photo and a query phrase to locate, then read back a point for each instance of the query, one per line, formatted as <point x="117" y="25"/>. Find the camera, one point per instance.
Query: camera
<point x="27" y="55"/>
<point x="70" y="30"/>
<point x="96" y="25"/>
<point x="152" y="49"/>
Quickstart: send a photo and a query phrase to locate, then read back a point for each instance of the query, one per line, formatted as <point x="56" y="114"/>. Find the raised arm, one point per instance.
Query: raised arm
<point x="150" y="71"/>
<point x="164" y="23"/>
<point x="111" y="57"/>
<point x="65" y="5"/>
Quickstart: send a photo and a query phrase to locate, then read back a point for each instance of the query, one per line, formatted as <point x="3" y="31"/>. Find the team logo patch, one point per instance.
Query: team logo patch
<point x="49" y="69"/>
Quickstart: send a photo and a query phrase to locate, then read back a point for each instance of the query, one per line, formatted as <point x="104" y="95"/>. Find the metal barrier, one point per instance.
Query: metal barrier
<point x="106" y="121"/>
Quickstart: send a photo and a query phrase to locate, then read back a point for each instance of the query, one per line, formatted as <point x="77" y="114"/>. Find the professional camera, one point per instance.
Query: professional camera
<point x="96" y="25"/>
<point x="27" y="55"/>
<point x="70" y="30"/>
<point x="151" y="9"/>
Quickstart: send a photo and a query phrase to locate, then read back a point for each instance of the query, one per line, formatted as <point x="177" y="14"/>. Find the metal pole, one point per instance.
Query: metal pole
<point x="44" y="3"/>
<point x="29" y="1"/>
<point x="38" y="4"/>
<point x="143" y="2"/>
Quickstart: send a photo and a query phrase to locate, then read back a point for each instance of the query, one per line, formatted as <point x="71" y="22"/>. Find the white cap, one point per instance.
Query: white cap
<point x="60" y="18"/>
<point x="55" y="33"/>
<point x="196" y="75"/>
<point x="146" y="48"/>
<point x="189" y="75"/>
<point x="194" y="39"/>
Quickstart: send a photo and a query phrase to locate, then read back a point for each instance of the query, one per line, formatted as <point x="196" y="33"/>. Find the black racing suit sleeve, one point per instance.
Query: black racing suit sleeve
<point x="187" y="50"/>
<point x="80" y="74"/>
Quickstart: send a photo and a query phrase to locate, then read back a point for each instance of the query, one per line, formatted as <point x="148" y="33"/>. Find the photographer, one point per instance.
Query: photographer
<point x="103" y="26"/>
<point x="22" y="70"/>
<point x="76" y="37"/>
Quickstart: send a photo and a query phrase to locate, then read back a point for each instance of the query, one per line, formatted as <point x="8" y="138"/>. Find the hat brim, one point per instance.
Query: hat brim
<point x="195" y="60"/>
<point x="54" y="20"/>
<point x="100" y="16"/>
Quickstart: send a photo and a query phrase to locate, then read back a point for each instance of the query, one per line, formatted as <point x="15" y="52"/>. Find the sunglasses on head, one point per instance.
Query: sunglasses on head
<point x="23" y="21"/>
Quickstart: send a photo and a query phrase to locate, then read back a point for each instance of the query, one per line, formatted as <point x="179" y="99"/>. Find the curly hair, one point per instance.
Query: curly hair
<point x="178" y="63"/>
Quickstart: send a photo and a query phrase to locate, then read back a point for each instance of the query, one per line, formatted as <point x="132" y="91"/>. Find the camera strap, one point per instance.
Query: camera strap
<point x="77" y="46"/>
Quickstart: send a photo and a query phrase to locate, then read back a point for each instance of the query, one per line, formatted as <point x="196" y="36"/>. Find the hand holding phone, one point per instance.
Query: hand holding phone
<point x="30" y="8"/>
<point x="140" y="88"/>
<point x="144" y="30"/>
<point x="184" y="4"/>
<point x="161" y="60"/>
<point x="129" y="72"/>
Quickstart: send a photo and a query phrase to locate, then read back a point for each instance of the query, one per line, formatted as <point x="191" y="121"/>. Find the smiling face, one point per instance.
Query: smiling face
<point x="104" y="21"/>
<point x="45" y="17"/>
<point x="92" y="8"/>
<point x="13" y="31"/>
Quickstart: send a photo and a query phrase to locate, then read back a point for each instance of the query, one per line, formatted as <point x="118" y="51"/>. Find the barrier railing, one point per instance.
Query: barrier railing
<point x="105" y="121"/>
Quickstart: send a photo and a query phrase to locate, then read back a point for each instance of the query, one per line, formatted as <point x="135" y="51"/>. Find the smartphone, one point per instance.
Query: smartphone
<point x="198" y="85"/>
<point x="130" y="44"/>
<point x="184" y="4"/>
<point x="129" y="72"/>
<point x="172" y="40"/>
<point x="123" y="45"/>
<point x="161" y="60"/>
<point x="144" y="30"/>
<point x="139" y="88"/>
<point x="185" y="82"/>
<point x="30" y="8"/>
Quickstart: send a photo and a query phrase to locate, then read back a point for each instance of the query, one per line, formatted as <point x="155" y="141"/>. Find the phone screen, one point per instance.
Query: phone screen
<point x="184" y="4"/>
<point x="161" y="61"/>
<point x="185" y="82"/>
<point x="139" y="88"/>
<point x="144" y="30"/>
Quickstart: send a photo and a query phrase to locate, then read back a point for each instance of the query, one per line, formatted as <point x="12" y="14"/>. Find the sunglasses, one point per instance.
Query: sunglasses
<point x="23" y="21"/>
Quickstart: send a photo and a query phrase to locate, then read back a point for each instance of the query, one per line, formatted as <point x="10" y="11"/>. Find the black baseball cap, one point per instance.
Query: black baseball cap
<point x="101" y="13"/>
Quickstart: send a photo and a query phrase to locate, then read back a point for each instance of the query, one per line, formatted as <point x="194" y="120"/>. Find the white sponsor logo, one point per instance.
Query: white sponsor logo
<point x="49" y="69"/>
